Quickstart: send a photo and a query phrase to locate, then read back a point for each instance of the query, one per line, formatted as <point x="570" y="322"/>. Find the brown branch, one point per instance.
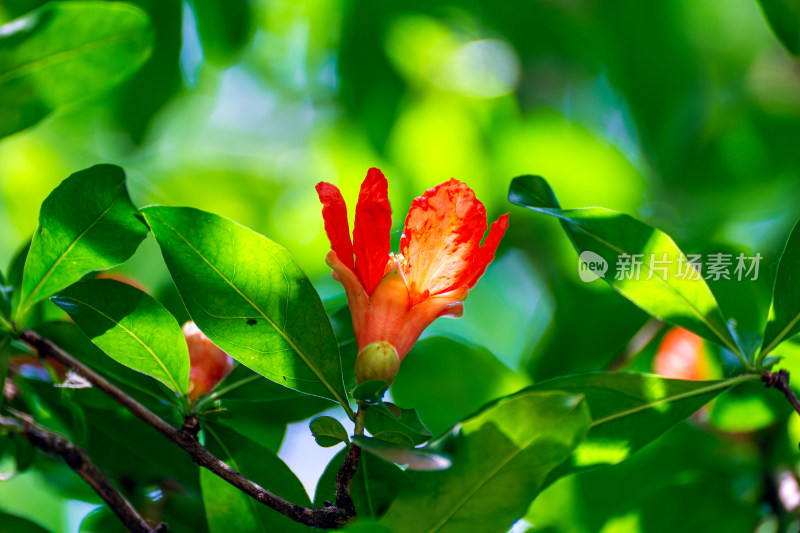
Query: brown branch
<point x="329" y="517"/>
<point x="79" y="461"/>
<point x="780" y="380"/>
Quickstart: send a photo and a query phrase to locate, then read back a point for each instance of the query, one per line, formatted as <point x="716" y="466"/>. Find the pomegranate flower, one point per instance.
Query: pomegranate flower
<point x="394" y="297"/>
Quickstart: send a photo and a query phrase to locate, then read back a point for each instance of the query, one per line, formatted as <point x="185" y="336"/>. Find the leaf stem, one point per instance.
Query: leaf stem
<point x="780" y="380"/>
<point x="330" y="517"/>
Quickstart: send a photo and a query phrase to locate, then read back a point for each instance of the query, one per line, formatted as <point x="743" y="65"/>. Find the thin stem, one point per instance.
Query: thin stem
<point x="780" y="380"/>
<point x="347" y="471"/>
<point x="638" y="342"/>
<point x="79" y="461"/>
<point x="329" y="517"/>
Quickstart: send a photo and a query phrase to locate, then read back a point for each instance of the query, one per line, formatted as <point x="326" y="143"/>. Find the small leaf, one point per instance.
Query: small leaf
<point x="328" y="431"/>
<point x="251" y="298"/>
<point x="371" y="391"/>
<point x="387" y="417"/>
<point x="784" y="313"/>
<point x="630" y="410"/>
<point x="672" y="291"/>
<point x="412" y="458"/>
<point x="131" y="327"/>
<point x="784" y="18"/>
<point x="501" y="458"/>
<point x="87" y="223"/>
<point x="64" y="51"/>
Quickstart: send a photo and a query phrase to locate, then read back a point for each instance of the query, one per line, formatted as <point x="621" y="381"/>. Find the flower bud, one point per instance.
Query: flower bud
<point x="208" y="364"/>
<point x="681" y="356"/>
<point x="377" y="360"/>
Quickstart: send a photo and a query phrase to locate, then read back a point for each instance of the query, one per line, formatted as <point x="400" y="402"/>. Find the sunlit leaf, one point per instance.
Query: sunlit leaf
<point x="784" y="314"/>
<point x="87" y="223"/>
<point x="501" y="458"/>
<point x="131" y="327"/>
<point x="63" y="52"/>
<point x="784" y="18"/>
<point x="251" y="298"/>
<point x="664" y="283"/>
<point x="328" y="431"/>
<point x="630" y="410"/>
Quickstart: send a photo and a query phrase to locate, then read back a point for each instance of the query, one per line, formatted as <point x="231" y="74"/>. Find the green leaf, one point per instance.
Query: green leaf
<point x="16" y="524"/>
<point x="227" y="508"/>
<point x="5" y="297"/>
<point x="5" y="353"/>
<point x="442" y="402"/>
<point x="131" y="327"/>
<point x="328" y="431"/>
<point x="371" y="391"/>
<point x="251" y="298"/>
<point x="676" y="294"/>
<point x="784" y="19"/>
<point x="630" y="410"/>
<point x="374" y="486"/>
<point x="87" y="223"/>
<point x="501" y="458"/>
<point x="411" y="458"/>
<point x="387" y="417"/>
<point x="784" y="313"/>
<point x="64" y="51"/>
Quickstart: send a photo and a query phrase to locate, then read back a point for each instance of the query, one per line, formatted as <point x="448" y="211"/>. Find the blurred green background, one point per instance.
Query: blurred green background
<point x="685" y="114"/>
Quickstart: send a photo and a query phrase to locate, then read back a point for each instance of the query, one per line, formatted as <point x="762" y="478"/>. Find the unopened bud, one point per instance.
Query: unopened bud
<point x="378" y="360"/>
<point x="208" y="364"/>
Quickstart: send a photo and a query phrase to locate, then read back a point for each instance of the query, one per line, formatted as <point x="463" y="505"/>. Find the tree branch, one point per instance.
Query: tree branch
<point x="330" y="517"/>
<point x="780" y="380"/>
<point x="79" y="461"/>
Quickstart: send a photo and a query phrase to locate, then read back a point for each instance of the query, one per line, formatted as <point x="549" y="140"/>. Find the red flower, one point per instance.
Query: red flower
<point x="680" y="355"/>
<point x="207" y="363"/>
<point x="394" y="297"/>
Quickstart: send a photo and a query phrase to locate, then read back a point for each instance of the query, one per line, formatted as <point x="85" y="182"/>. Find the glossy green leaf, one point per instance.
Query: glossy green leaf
<point x="251" y="298"/>
<point x="784" y="313"/>
<point x="227" y="508"/>
<point x="374" y="486"/>
<point x="501" y="458"/>
<point x="387" y="417"/>
<point x="630" y="410"/>
<point x="244" y="384"/>
<point x="131" y="327"/>
<point x="16" y="524"/>
<point x="784" y="18"/>
<point x="671" y="290"/>
<point x="410" y="457"/>
<point x="87" y="223"/>
<point x="64" y="51"/>
<point x="328" y="431"/>
<point x="5" y="297"/>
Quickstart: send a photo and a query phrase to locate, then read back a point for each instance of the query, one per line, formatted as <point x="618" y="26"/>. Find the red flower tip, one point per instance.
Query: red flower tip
<point x="208" y="363"/>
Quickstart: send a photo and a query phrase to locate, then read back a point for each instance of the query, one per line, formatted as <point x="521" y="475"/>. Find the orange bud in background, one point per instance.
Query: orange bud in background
<point x="377" y="360"/>
<point x="680" y="355"/>
<point x="208" y="364"/>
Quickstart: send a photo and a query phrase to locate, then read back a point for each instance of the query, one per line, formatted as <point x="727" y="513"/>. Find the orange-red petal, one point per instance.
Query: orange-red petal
<point x="486" y="253"/>
<point x="371" y="233"/>
<point x="334" y="213"/>
<point x="442" y="236"/>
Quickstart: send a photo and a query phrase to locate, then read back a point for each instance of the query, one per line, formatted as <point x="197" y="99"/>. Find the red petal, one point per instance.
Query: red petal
<point x="486" y="253"/>
<point x="441" y="240"/>
<point x="334" y="212"/>
<point x="372" y="227"/>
